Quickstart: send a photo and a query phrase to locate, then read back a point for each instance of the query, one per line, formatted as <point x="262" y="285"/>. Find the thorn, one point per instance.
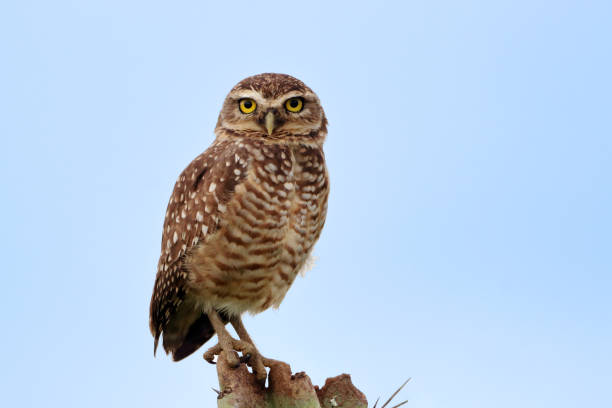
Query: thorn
<point x="376" y="403"/>
<point x="395" y="393"/>
<point x="400" y="404"/>
<point x="217" y="391"/>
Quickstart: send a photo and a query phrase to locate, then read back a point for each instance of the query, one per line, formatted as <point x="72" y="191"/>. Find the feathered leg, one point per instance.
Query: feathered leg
<point x="256" y="360"/>
<point x="227" y="343"/>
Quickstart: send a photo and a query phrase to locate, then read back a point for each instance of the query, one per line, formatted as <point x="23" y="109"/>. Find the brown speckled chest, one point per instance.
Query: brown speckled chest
<point x="263" y="231"/>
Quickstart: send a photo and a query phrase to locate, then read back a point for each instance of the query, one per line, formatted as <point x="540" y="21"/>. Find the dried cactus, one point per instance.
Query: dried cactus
<point x="240" y="389"/>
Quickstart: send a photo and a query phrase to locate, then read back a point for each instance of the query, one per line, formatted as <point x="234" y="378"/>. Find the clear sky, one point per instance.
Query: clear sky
<point x="469" y="235"/>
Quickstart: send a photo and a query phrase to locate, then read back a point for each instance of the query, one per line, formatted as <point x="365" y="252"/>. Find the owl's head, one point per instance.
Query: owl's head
<point x="276" y="107"/>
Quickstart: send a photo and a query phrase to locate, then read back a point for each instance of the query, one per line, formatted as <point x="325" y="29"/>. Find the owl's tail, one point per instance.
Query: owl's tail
<point x="200" y="331"/>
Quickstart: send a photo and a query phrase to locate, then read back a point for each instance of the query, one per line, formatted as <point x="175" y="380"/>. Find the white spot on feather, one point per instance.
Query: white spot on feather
<point x="271" y="167"/>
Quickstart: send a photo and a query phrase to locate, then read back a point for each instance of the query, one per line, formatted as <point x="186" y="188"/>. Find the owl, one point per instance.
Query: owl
<point x="242" y="220"/>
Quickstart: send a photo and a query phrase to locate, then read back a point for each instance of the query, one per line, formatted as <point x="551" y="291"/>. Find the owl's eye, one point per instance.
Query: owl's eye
<point x="247" y="105"/>
<point x="294" y="104"/>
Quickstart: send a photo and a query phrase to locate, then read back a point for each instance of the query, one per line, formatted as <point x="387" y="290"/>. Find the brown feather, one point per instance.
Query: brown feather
<point x="243" y="216"/>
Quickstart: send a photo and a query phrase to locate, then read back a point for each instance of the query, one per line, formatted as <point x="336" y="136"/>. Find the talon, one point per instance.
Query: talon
<point x="210" y="354"/>
<point x="245" y="358"/>
<point x="237" y="352"/>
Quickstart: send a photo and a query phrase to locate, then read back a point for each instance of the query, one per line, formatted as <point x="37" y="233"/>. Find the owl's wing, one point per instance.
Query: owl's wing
<point x="196" y="205"/>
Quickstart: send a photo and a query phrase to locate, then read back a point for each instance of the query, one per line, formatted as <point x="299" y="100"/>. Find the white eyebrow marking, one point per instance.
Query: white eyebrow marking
<point x="259" y="99"/>
<point x="248" y="93"/>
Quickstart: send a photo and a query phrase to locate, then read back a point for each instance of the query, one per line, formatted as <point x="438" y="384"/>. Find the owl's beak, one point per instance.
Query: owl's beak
<point x="270" y="119"/>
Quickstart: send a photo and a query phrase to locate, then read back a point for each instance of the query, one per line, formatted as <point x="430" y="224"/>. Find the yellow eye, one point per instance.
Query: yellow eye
<point x="247" y="105"/>
<point x="294" y="104"/>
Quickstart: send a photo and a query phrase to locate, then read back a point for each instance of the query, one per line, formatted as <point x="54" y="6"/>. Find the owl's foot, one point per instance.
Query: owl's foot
<point x="250" y="355"/>
<point x="231" y="346"/>
<point x="258" y="363"/>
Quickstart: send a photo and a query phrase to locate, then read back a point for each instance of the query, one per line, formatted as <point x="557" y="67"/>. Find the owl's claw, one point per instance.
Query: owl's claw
<point x="245" y="358"/>
<point x="231" y="346"/>
<point x="250" y="354"/>
<point x="258" y="363"/>
<point x="210" y="354"/>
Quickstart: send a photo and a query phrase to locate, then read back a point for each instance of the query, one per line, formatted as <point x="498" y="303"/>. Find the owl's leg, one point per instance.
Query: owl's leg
<point x="256" y="360"/>
<point x="226" y="343"/>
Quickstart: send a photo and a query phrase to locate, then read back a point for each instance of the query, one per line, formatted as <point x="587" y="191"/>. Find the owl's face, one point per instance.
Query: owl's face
<point x="273" y="106"/>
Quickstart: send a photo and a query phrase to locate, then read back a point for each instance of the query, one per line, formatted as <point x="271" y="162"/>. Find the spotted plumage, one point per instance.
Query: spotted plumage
<point x="244" y="215"/>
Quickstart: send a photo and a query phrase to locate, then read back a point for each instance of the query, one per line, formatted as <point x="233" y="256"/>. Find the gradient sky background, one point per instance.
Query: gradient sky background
<point x="468" y="242"/>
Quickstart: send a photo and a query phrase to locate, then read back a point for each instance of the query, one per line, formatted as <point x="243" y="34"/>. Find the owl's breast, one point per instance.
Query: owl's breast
<point x="266" y="232"/>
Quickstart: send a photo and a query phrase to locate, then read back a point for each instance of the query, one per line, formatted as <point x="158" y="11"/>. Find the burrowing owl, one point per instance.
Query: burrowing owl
<point x="242" y="219"/>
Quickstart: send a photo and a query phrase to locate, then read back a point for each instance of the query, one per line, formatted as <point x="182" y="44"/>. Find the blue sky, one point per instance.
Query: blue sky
<point x="468" y="242"/>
